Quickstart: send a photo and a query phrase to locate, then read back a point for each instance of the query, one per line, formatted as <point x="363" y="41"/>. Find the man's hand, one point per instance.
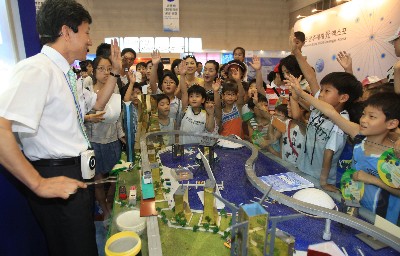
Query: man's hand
<point x="58" y="187"/>
<point x="115" y="57"/>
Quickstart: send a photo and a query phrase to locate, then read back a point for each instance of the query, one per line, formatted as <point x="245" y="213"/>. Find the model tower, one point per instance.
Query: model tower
<point x="181" y="198"/>
<point x="257" y="217"/>
<point x="210" y="206"/>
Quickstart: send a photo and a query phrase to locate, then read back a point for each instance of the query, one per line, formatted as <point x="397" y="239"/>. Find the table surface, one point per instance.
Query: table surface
<point x="229" y="168"/>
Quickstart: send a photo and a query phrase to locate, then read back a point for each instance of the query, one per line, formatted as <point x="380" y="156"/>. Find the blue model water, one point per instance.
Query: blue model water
<point x="238" y="190"/>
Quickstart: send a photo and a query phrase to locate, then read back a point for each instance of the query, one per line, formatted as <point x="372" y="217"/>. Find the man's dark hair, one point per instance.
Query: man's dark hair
<point x="198" y="63"/>
<point x="53" y="14"/>
<point x="197" y="89"/>
<point x="300" y="36"/>
<point x="104" y="50"/>
<point x="125" y="50"/>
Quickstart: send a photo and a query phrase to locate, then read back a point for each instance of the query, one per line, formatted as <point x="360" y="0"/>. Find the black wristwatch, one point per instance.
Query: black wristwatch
<point x="115" y="75"/>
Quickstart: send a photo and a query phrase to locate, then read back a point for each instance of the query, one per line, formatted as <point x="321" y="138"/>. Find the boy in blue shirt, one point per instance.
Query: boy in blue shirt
<point x="381" y="115"/>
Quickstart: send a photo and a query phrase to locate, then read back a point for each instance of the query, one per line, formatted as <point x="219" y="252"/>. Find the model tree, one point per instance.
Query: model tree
<point x="215" y="229"/>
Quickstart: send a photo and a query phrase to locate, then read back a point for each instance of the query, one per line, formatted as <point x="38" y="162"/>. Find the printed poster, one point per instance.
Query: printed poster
<point x="171" y="15"/>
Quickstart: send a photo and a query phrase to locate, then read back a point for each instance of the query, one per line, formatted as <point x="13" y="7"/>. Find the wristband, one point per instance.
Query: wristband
<point x="115" y="75"/>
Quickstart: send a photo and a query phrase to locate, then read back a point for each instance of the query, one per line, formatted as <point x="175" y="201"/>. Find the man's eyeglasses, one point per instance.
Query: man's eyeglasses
<point x="127" y="58"/>
<point x="103" y="69"/>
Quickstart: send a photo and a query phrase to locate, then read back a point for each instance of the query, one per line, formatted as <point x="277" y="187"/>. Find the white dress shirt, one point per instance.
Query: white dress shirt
<point x="40" y="104"/>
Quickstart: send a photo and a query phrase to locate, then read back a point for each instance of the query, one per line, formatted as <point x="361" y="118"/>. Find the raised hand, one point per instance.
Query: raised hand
<point x="295" y="44"/>
<point x="252" y="91"/>
<point x="236" y="74"/>
<point x="294" y="84"/>
<point x="255" y="98"/>
<point x="345" y="60"/>
<point x="115" y="57"/>
<point x="210" y="108"/>
<point x="132" y="75"/>
<point x="256" y="63"/>
<point x="216" y="85"/>
<point x="182" y="68"/>
<point x="155" y="57"/>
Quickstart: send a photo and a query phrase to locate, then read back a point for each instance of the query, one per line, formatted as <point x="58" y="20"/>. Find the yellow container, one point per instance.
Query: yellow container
<point x="125" y="243"/>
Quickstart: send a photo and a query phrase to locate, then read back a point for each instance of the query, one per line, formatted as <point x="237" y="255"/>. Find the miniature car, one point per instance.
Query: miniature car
<point x="147" y="179"/>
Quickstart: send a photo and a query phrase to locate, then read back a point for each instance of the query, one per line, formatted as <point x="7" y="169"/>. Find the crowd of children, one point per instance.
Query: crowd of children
<point x="294" y="117"/>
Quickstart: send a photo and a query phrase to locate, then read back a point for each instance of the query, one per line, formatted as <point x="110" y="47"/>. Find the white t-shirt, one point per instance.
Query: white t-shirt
<point x="42" y="109"/>
<point x="195" y="123"/>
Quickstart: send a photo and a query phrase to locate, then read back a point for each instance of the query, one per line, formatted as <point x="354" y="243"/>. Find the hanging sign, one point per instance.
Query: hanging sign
<point x="171" y="15"/>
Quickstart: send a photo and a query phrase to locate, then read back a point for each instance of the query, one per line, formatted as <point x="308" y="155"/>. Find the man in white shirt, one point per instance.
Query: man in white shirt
<point x="199" y="70"/>
<point x="41" y="107"/>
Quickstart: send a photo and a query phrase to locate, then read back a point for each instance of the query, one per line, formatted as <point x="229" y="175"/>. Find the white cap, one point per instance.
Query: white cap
<point x="394" y="37"/>
<point x="370" y="80"/>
